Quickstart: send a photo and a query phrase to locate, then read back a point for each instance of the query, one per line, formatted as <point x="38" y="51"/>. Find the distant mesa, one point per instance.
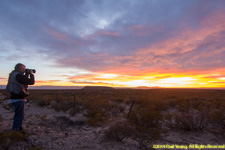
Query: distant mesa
<point x="97" y="88"/>
<point x="146" y="87"/>
<point x="2" y="86"/>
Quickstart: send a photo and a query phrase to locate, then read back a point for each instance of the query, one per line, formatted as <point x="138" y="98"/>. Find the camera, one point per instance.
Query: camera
<point x="29" y="70"/>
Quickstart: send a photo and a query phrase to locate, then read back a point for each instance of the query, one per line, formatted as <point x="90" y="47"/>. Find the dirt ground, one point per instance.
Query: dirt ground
<point x="48" y="129"/>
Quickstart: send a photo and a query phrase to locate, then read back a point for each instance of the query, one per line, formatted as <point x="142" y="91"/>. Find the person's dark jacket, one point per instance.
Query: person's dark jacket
<point x="23" y="79"/>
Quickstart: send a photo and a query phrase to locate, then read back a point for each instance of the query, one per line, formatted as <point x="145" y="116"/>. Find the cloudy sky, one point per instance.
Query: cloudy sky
<point x="165" y="43"/>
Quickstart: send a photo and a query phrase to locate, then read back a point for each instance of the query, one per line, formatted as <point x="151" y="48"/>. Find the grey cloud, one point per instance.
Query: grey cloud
<point x="208" y="55"/>
<point x="71" y="32"/>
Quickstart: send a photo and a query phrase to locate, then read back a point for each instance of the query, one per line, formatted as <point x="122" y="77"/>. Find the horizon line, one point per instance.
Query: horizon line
<point x="138" y="87"/>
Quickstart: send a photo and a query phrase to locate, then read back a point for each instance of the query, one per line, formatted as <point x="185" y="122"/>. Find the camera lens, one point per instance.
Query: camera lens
<point x="29" y="70"/>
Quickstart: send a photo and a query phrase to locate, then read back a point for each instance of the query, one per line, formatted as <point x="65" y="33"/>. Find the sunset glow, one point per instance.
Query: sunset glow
<point x="151" y="43"/>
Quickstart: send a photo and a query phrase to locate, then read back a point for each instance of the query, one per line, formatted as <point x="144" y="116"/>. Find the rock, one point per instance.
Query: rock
<point x="66" y="135"/>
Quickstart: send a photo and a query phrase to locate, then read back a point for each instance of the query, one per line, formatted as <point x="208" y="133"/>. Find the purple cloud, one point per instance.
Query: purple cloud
<point x="102" y="35"/>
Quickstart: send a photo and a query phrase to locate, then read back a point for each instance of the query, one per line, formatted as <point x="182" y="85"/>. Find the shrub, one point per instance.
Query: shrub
<point x="1" y="118"/>
<point x="45" y="100"/>
<point x="43" y="117"/>
<point x="75" y="110"/>
<point x="190" y="115"/>
<point x="119" y="130"/>
<point x="146" y="121"/>
<point x="64" y="103"/>
<point x="9" y="138"/>
<point x="35" y="148"/>
<point x="97" y="111"/>
<point x="119" y="100"/>
<point x="96" y="117"/>
<point x="217" y="115"/>
<point x="8" y="106"/>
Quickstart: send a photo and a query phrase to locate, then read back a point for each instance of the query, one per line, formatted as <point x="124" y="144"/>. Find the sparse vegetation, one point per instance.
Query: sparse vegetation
<point x="97" y="111"/>
<point x="1" y="119"/>
<point x="7" y="139"/>
<point x="217" y="114"/>
<point x="190" y="115"/>
<point x="35" y="148"/>
<point x="119" y="131"/>
<point x="146" y="120"/>
<point x="44" y="116"/>
<point x="8" y="106"/>
<point x="152" y="110"/>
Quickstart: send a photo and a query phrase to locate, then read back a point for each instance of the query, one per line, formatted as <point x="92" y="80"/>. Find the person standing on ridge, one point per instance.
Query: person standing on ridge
<point x="18" y="82"/>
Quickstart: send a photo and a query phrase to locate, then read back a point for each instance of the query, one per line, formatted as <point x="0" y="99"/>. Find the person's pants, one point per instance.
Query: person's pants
<point x="19" y="116"/>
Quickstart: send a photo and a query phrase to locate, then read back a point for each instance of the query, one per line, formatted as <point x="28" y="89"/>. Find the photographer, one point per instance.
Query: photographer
<point x="18" y="82"/>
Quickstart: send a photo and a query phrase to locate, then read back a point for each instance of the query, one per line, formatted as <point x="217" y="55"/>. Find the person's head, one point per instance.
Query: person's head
<point x="20" y="67"/>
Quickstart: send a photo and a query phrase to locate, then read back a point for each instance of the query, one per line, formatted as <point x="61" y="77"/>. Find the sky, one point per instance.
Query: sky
<point x="125" y="43"/>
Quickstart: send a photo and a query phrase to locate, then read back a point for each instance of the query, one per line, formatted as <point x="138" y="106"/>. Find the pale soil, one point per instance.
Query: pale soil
<point x="51" y="130"/>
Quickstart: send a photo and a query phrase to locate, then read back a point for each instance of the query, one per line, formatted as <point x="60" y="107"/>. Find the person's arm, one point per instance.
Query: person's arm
<point x="23" y="79"/>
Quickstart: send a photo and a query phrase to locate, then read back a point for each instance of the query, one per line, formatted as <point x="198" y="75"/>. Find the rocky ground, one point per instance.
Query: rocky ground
<point x="48" y="129"/>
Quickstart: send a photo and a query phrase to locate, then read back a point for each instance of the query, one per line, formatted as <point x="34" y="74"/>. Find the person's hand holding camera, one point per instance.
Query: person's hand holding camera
<point x="31" y="71"/>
